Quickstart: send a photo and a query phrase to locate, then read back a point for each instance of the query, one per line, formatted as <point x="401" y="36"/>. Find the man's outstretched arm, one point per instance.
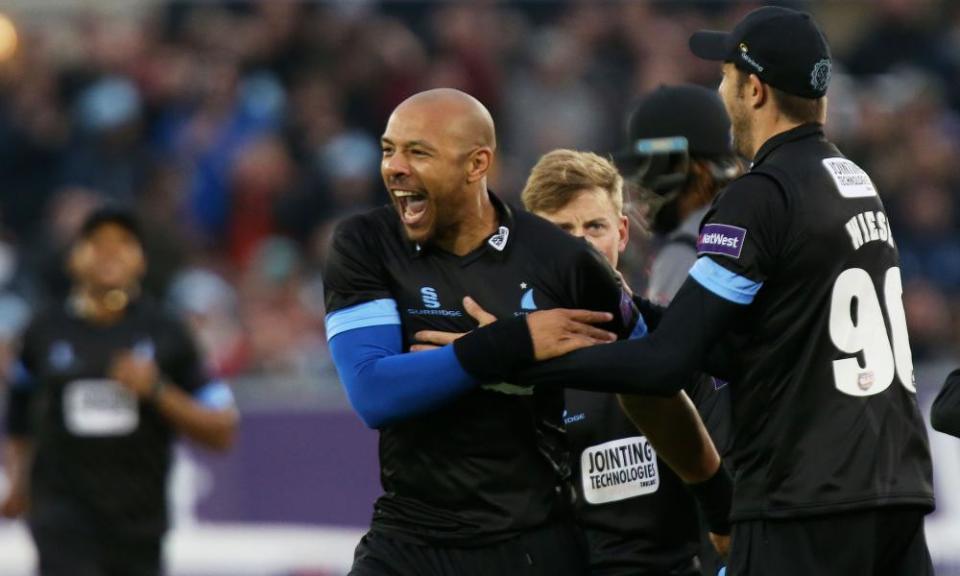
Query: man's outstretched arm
<point x="660" y="364"/>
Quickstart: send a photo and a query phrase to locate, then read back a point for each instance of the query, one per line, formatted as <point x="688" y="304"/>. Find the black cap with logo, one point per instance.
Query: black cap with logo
<point x="783" y="47"/>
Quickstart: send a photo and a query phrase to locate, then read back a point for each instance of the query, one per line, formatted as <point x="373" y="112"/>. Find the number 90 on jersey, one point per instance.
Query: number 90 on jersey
<point x="858" y="326"/>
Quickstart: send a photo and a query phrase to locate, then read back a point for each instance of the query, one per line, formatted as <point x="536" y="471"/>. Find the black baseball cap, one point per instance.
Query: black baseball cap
<point x="783" y="47"/>
<point x="111" y="214"/>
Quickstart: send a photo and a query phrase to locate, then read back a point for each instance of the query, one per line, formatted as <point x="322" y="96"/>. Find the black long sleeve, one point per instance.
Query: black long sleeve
<point x="660" y="364"/>
<point x="945" y="414"/>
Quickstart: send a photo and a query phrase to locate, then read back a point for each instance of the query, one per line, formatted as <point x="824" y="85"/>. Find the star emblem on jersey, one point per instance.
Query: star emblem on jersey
<point x="523" y="285"/>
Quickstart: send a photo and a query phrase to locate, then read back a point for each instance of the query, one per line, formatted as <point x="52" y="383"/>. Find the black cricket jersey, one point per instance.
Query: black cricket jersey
<point x="101" y="455"/>
<point x="825" y="410"/>
<point x="638" y="516"/>
<point x="494" y="461"/>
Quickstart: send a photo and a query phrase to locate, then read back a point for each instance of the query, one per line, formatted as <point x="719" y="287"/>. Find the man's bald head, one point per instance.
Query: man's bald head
<point x="454" y="116"/>
<point x="438" y="148"/>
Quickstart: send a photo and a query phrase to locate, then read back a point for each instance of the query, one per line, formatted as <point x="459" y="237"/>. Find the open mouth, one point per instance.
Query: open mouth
<point x="413" y="206"/>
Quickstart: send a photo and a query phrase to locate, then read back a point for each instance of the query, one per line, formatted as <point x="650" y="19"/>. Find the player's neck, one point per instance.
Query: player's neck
<point x="477" y="221"/>
<point x="101" y="305"/>
<point x="766" y="130"/>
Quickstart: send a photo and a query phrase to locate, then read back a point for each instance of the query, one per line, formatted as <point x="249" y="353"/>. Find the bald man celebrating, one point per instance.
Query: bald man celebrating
<point x="475" y="472"/>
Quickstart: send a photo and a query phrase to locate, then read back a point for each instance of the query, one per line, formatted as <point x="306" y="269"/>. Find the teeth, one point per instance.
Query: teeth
<point x="405" y="193"/>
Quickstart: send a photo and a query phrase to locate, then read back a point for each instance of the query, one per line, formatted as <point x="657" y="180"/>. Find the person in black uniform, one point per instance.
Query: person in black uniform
<point x="945" y="413"/>
<point x="680" y="156"/>
<point x="797" y="266"/>
<point x="104" y="384"/>
<point x="475" y="471"/>
<point x="646" y="525"/>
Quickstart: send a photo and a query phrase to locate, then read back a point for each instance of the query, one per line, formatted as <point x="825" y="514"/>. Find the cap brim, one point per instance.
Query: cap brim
<point x="710" y="45"/>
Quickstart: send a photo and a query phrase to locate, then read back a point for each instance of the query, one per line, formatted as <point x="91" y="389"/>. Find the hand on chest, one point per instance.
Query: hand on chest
<point x="433" y="298"/>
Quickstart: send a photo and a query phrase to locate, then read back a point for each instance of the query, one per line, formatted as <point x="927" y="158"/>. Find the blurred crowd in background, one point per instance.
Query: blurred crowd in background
<point x="242" y="131"/>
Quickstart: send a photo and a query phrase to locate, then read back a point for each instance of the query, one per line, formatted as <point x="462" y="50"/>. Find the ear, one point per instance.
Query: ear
<point x="71" y="264"/>
<point x="757" y="92"/>
<point x="142" y="264"/>
<point x="478" y="164"/>
<point x="623" y="230"/>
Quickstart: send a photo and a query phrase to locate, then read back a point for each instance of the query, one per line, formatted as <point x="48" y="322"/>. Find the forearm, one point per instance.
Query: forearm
<point x="676" y="431"/>
<point x="660" y="364"/>
<point x="212" y="428"/>
<point x="18" y="454"/>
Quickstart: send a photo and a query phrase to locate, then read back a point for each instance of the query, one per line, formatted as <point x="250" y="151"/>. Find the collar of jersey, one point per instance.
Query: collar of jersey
<point x="505" y="218"/>
<point x="798" y="133"/>
<point x="70" y="308"/>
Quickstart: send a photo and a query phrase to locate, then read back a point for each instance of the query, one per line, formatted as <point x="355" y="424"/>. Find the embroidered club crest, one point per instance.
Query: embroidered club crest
<point x="820" y="75"/>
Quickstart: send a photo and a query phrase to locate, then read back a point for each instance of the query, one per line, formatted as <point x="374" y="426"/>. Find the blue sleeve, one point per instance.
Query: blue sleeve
<point x="724" y="283"/>
<point x="215" y="395"/>
<point x="385" y="385"/>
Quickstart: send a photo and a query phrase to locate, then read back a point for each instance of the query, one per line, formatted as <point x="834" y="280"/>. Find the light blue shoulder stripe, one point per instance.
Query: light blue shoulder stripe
<point x="380" y="312"/>
<point x="215" y="395"/>
<point x="724" y="283"/>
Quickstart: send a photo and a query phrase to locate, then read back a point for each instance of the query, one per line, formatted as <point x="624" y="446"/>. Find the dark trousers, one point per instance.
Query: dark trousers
<point x="879" y="542"/>
<point x="555" y="550"/>
<point x="73" y="551"/>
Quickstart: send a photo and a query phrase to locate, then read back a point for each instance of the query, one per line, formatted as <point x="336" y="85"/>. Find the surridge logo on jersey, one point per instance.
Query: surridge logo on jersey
<point x="619" y="469"/>
<point x="431" y="305"/>
<point x="499" y="240"/>
<point x="430" y="297"/>
<point x="573" y="418"/>
<point x="721" y="239"/>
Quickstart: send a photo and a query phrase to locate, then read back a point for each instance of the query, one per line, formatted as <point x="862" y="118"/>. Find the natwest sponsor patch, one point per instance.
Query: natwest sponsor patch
<point x="721" y="239"/>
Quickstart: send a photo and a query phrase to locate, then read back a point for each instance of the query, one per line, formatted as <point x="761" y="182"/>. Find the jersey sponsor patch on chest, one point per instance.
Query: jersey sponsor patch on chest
<point x="618" y="470"/>
<point x="851" y="180"/>
<point x="99" y="407"/>
<point x="721" y="239"/>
